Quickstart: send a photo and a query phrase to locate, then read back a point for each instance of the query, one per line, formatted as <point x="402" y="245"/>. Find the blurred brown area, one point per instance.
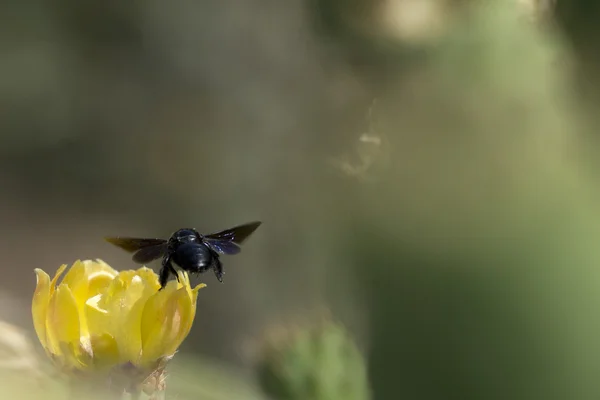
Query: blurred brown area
<point x="457" y="238"/>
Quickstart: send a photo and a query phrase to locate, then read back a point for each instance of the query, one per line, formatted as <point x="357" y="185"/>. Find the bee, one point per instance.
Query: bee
<point x="187" y="249"/>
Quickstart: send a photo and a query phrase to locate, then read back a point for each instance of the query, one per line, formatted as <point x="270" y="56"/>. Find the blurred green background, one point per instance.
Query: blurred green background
<point x="451" y="226"/>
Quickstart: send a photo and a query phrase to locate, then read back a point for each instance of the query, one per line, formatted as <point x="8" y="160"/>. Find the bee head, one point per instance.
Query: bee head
<point x="186" y="235"/>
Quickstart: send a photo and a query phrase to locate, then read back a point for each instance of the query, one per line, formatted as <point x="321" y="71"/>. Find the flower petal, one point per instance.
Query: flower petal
<point x="62" y="324"/>
<point x="110" y="312"/>
<point x="39" y="305"/>
<point x="131" y="342"/>
<point x="190" y="314"/>
<point x="97" y="318"/>
<point x="105" y="350"/>
<point x="126" y="276"/>
<point x="77" y="281"/>
<point x="87" y="278"/>
<point x="149" y="277"/>
<point x="75" y="277"/>
<point x="111" y="301"/>
<point x="167" y="320"/>
<point x="99" y="276"/>
<point x="181" y="313"/>
<point x="155" y="322"/>
<point x="98" y="282"/>
<point x="100" y="266"/>
<point x="128" y="334"/>
<point x="57" y="275"/>
<point x="51" y="345"/>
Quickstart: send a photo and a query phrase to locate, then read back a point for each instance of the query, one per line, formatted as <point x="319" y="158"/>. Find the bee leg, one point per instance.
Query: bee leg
<point x="166" y="269"/>
<point x="218" y="269"/>
<point x="163" y="277"/>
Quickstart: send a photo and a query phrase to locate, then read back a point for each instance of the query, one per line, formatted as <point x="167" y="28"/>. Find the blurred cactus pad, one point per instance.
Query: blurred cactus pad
<point x="315" y="362"/>
<point x="478" y="247"/>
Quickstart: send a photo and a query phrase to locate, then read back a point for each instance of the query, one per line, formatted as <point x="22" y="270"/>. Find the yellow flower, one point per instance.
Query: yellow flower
<point x="98" y="318"/>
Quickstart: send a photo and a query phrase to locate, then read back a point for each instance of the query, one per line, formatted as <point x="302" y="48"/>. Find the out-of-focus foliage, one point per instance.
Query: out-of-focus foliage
<point x="313" y="363"/>
<point x="189" y="378"/>
<point x="475" y="245"/>
<point x="25" y="375"/>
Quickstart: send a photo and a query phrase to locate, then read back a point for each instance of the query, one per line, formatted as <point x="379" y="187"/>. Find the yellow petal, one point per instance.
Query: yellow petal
<point x="155" y="323"/>
<point x="99" y="275"/>
<point x="112" y="294"/>
<point x="87" y="278"/>
<point x="52" y="345"/>
<point x="127" y="276"/>
<point x="105" y="350"/>
<point x="181" y="312"/>
<point x="134" y="290"/>
<point x="97" y="318"/>
<point x="144" y="284"/>
<point x="99" y="324"/>
<point x="131" y="342"/>
<point x="198" y="287"/>
<point x="98" y="282"/>
<point x="128" y="334"/>
<point x="116" y="312"/>
<point x="75" y="277"/>
<point x="183" y="279"/>
<point x="39" y="305"/>
<point x="112" y="302"/>
<point x="77" y="281"/>
<point x="188" y="320"/>
<point x="100" y="266"/>
<point x="62" y="324"/>
<point x="59" y="272"/>
<point x="168" y="318"/>
<point x="149" y="277"/>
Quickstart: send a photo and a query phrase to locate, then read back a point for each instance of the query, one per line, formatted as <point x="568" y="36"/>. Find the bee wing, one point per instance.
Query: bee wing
<point x="222" y="246"/>
<point x="134" y="244"/>
<point x="236" y="234"/>
<point x="148" y="254"/>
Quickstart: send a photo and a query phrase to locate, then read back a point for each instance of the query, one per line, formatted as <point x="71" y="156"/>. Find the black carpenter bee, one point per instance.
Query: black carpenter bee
<point x="187" y="249"/>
